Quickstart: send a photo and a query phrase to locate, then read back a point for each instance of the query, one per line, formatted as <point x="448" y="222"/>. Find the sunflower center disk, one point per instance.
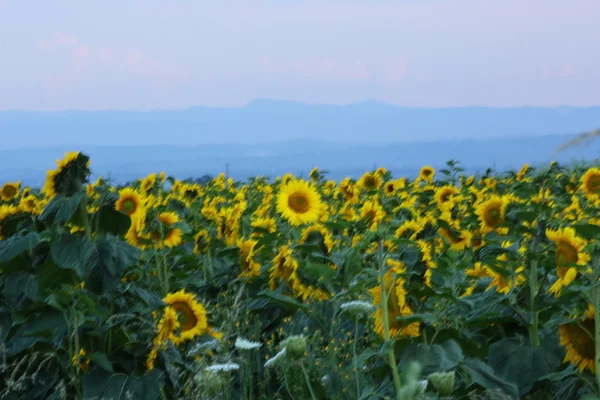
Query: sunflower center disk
<point x="493" y="217"/>
<point x="298" y="203"/>
<point x="129" y="207"/>
<point x="187" y="319"/>
<point x="594" y="184"/>
<point x="580" y="336"/>
<point x="9" y="191"/>
<point x="565" y="254"/>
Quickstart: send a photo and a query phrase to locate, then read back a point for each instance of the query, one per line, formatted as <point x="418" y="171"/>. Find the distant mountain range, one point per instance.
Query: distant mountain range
<point x="264" y="121"/>
<point x="271" y="138"/>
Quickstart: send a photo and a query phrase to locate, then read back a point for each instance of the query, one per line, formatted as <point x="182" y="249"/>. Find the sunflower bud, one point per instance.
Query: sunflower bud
<point x="443" y="382"/>
<point x="295" y="346"/>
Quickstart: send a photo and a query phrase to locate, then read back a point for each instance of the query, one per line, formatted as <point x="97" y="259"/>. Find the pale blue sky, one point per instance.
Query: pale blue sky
<point x="149" y="54"/>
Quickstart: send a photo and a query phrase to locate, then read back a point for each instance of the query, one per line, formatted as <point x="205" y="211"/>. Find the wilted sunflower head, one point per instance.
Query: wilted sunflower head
<point x="10" y="190"/>
<point x="69" y="177"/>
<point x="590" y="182"/>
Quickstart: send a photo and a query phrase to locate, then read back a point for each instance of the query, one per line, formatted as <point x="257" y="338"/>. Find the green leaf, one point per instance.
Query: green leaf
<point x="102" y="361"/>
<point x="71" y="252"/>
<point x="484" y="376"/>
<point x="101" y="384"/>
<point x="587" y="231"/>
<point x="317" y="271"/>
<point x="150" y="298"/>
<point x="60" y="209"/>
<point x="107" y="262"/>
<point x="520" y="364"/>
<point x="16" y="245"/>
<point x="284" y="301"/>
<point x="111" y="221"/>
<point x="21" y="284"/>
<point x="433" y="358"/>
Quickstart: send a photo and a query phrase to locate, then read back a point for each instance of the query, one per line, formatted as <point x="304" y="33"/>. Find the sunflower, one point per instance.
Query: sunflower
<point x="228" y="226"/>
<point x="315" y="174"/>
<point x="569" y="250"/>
<point x="372" y="213"/>
<point x="590" y="183"/>
<point x="130" y="202"/>
<point x="319" y="233"/>
<point x="409" y="229"/>
<point x="29" y="204"/>
<point x="445" y="194"/>
<point x="285" y="267"/>
<point x="70" y="174"/>
<point x="148" y="183"/>
<point x="248" y="265"/>
<point x="396" y="303"/>
<point x="369" y="181"/>
<point x="167" y="326"/>
<point x="201" y="241"/>
<point x="7" y="212"/>
<point x="427" y="173"/>
<point x="578" y="339"/>
<point x="390" y="188"/>
<point x="191" y="316"/>
<point x="299" y="202"/>
<point x="168" y="236"/>
<point x="523" y="172"/>
<point x="491" y="214"/>
<point x="10" y="190"/>
<point x="457" y="238"/>
<point x="262" y="225"/>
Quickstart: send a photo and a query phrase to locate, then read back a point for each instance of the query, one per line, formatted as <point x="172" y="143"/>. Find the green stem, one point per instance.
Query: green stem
<point x="356" y="359"/>
<point x="287" y="386"/>
<point x="533" y="288"/>
<point x="386" y="322"/>
<point x="596" y="296"/>
<point x="312" y="392"/>
<point x="86" y="220"/>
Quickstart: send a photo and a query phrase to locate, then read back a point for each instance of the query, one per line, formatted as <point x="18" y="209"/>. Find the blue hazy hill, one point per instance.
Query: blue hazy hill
<point x="264" y="121"/>
<point x="271" y="138"/>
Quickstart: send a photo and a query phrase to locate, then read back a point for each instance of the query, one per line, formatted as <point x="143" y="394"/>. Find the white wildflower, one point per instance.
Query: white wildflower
<point x="275" y="359"/>
<point x="357" y="307"/>
<point x="244" y="344"/>
<point x="223" y="367"/>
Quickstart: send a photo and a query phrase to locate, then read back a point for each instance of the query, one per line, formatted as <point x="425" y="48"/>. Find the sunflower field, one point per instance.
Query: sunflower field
<point x="444" y="286"/>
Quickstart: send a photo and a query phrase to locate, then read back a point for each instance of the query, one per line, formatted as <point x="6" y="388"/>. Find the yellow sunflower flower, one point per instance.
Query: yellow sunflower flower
<point x="191" y="316"/>
<point x="427" y="173"/>
<point x="396" y="303"/>
<point x="248" y="265"/>
<point x="569" y="250"/>
<point x="201" y="241"/>
<point x="445" y="194"/>
<point x="372" y="213"/>
<point x="130" y="202"/>
<point x="590" y="183"/>
<point x="578" y="339"/>
<point x="167" y="326"/>
<point x="10" y="190"/>
<point x="369" y="181"/>
<point x="299" y="202"/>
<point x="491" y="214"/>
